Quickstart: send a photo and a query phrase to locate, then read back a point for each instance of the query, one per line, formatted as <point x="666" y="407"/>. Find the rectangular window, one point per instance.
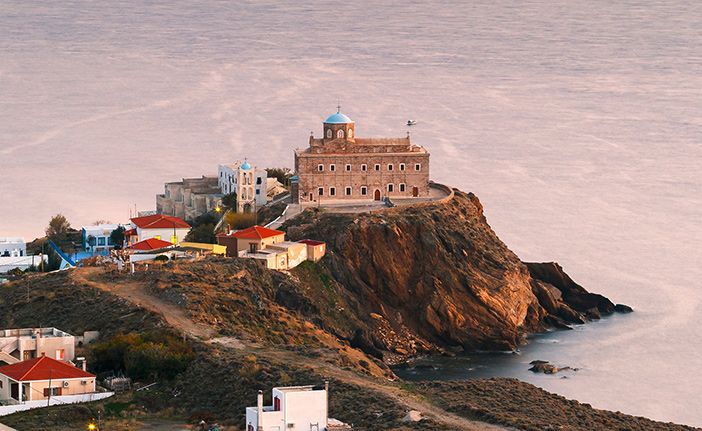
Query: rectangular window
<point x="402" y="187"/>
<point x="320" y="191"/>
<point x="320" y="168"/>
<point x="402" y="166"/>
<point x="55" y="392"/>
<point x="364" y="191"/>
<point x="332" y="168"/>
<point x="389" y="166"/>
<point x="258" y="180"/>
<point x="348" y="168"/>
<point x="390" y="188"/>
<point x="258" y="191"/>
<point x="276" y="404"/>
<point x="377" y="167"/>
<point x="417" y="167"/>
<point x="101" y="240"/>
<point x="364" y="168"/>
<point x="348" y="191"/>
<point x="332" y="191"/>
<point x="60" y="354"/>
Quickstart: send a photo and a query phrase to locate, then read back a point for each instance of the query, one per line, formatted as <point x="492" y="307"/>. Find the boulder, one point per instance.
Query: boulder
<point x="412" y="416"/>
<point x="621" y="308"/>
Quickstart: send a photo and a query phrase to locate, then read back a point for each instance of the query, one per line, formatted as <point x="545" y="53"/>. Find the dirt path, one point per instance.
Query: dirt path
<point x="410" y="400"/>
<point x="135" y="293"/>
<point x="175" y="316"/>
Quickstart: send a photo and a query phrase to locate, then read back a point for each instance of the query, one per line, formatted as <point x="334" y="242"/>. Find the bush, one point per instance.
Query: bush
<point x="239" y="220"/>
<point x="142" y="356"/>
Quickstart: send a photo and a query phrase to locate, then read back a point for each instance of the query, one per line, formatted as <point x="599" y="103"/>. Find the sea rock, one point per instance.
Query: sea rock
<point x="545" y="368"/>
<point x="621" y="308"/>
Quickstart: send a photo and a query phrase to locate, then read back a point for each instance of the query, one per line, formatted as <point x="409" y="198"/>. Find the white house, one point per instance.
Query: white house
<point x="303" y="408"/>
<point x="27" y="343"/>
<point x="247" y="181"/>
<point x="12" y="247"/>
<point x="96" y="238"/>
<point x="159" y="226"/>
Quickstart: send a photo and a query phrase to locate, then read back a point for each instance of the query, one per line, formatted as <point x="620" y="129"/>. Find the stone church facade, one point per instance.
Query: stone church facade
<point x="341" y="166"/>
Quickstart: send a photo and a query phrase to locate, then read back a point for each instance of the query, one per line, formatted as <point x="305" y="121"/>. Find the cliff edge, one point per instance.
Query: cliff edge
<point x="435" y="276"/>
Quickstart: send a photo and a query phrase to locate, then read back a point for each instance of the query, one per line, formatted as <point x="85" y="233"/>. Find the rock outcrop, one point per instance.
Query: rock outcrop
<point x="436" y="276"/>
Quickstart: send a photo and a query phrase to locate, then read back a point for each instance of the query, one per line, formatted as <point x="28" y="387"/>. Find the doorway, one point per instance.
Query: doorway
<point x="415" y="192"/>
<point x="376" y="195"/>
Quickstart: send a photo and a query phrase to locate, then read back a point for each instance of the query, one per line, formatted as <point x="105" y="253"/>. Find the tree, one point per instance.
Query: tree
<point x="117" y="237"/>
<point x="202" y="233"/>
<point x="58" y="228"/>
<point x="281" y="174"/>
<point x="229" y="201"/>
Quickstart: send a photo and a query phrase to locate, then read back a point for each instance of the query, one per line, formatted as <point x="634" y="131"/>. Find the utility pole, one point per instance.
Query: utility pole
<point x="48" y="399"/>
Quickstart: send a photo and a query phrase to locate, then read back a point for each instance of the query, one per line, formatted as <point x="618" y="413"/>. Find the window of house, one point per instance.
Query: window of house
<point x="253" y="247"/>
<point x="340" y="134"/>
<point x="417" y="167"/>
<point x="350" y="133"/>
<point x="390" y="188"/>
<point x="364" y="168"/>
<point x="320" y="168"/>
<point x="402" y="187"/>
<point x="329" y="133"/>
<point x="258" y="191"/>
<point x="348" y="191"/>
<point x="332" y="168"/>
<point x="101" y="240"/>
<point x="60" y="354"/>
<point x="55" y="392"/>
<point x="348" y="168"/>
<point x="258" y="180"/>
<point x="390" y="166"/>
<point x="332" y="191"/>
<point x="364" y="190"/>
<point x="276" y="404"/>
<point x="402" y="166"/>
<point x="377" y="167"/>
<point x="320" y="191"/>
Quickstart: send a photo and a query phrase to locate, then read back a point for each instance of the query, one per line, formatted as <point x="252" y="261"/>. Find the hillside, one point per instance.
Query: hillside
<point x="428" y="278"/>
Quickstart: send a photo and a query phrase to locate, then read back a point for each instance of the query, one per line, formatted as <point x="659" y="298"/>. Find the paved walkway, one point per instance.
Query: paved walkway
<point x="6" y="428"/>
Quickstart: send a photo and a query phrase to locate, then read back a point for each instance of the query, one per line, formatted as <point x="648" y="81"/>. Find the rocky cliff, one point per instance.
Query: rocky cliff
<point x="436" y="276"/>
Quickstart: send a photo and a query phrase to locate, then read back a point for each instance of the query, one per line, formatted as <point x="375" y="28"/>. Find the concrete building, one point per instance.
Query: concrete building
<point x="157" y="226"/>
<point x="96" y="238"/>
<point x="42" y="377"/>
<point x="342" y="166"/>
<point x="294" y="408"/>
<point x="12" y="247"/>
<point x="248" y="182"/>
<point x="28" y="343"/>
<point x="190" y="198"/>
<point x="315" y="249"/>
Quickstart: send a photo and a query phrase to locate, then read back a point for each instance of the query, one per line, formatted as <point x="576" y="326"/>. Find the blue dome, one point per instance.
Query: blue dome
<point x="245" y="166"/>
<point x="338" y="118"/>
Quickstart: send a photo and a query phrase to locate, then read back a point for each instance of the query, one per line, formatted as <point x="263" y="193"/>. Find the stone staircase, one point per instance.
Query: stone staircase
<point x="5" y="351"/>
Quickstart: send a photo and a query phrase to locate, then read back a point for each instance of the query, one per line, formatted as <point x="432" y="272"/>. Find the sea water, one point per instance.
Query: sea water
<point x="578" y="124"/>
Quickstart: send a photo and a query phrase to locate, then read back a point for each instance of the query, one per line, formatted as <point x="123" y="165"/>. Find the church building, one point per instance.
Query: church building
<point x="342" y="166"/>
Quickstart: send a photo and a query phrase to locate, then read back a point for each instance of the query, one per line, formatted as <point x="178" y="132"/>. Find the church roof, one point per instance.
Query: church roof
<point x="338" y="118"/>
<point x="245" y="166"/>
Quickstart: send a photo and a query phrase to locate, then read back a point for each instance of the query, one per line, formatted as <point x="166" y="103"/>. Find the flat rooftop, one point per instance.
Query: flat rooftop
<point x="33" y="332"/>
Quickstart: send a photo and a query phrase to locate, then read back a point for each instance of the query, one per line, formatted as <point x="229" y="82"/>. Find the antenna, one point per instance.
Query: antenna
<point x="338" y="106"/>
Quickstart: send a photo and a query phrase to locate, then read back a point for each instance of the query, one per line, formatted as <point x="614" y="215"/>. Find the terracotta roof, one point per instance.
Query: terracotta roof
<point x="43" y="368"/>
<point x="310" y="242"/>
<point x="159" y="221"/>
<point x="256" y="232"/>
<point x="150" y="244"/>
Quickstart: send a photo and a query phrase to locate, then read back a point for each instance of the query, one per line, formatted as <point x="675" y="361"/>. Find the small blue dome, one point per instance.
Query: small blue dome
<point x="338" y="118"/>
<point x="245" y="166"/>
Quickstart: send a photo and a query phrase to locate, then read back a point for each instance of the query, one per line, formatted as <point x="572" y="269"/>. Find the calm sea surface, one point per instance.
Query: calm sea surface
<point x="578" y="124"/>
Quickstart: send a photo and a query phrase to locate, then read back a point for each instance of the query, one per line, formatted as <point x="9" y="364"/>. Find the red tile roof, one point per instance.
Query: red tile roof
<point x="150" y="244"/>
<point x="159" y="221"/>
<point x="43" y="368"/>
<point x="310" y="242"/>
<point x="254" y="232"/>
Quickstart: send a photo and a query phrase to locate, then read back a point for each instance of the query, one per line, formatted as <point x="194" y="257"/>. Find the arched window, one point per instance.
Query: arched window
<point x="329" y="134"/>
<point x="340" y="133"/>
<point x="350" y="133"/>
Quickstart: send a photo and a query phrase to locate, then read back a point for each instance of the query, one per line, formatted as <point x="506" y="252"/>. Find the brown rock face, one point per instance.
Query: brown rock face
<point x="440" y="276"/>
